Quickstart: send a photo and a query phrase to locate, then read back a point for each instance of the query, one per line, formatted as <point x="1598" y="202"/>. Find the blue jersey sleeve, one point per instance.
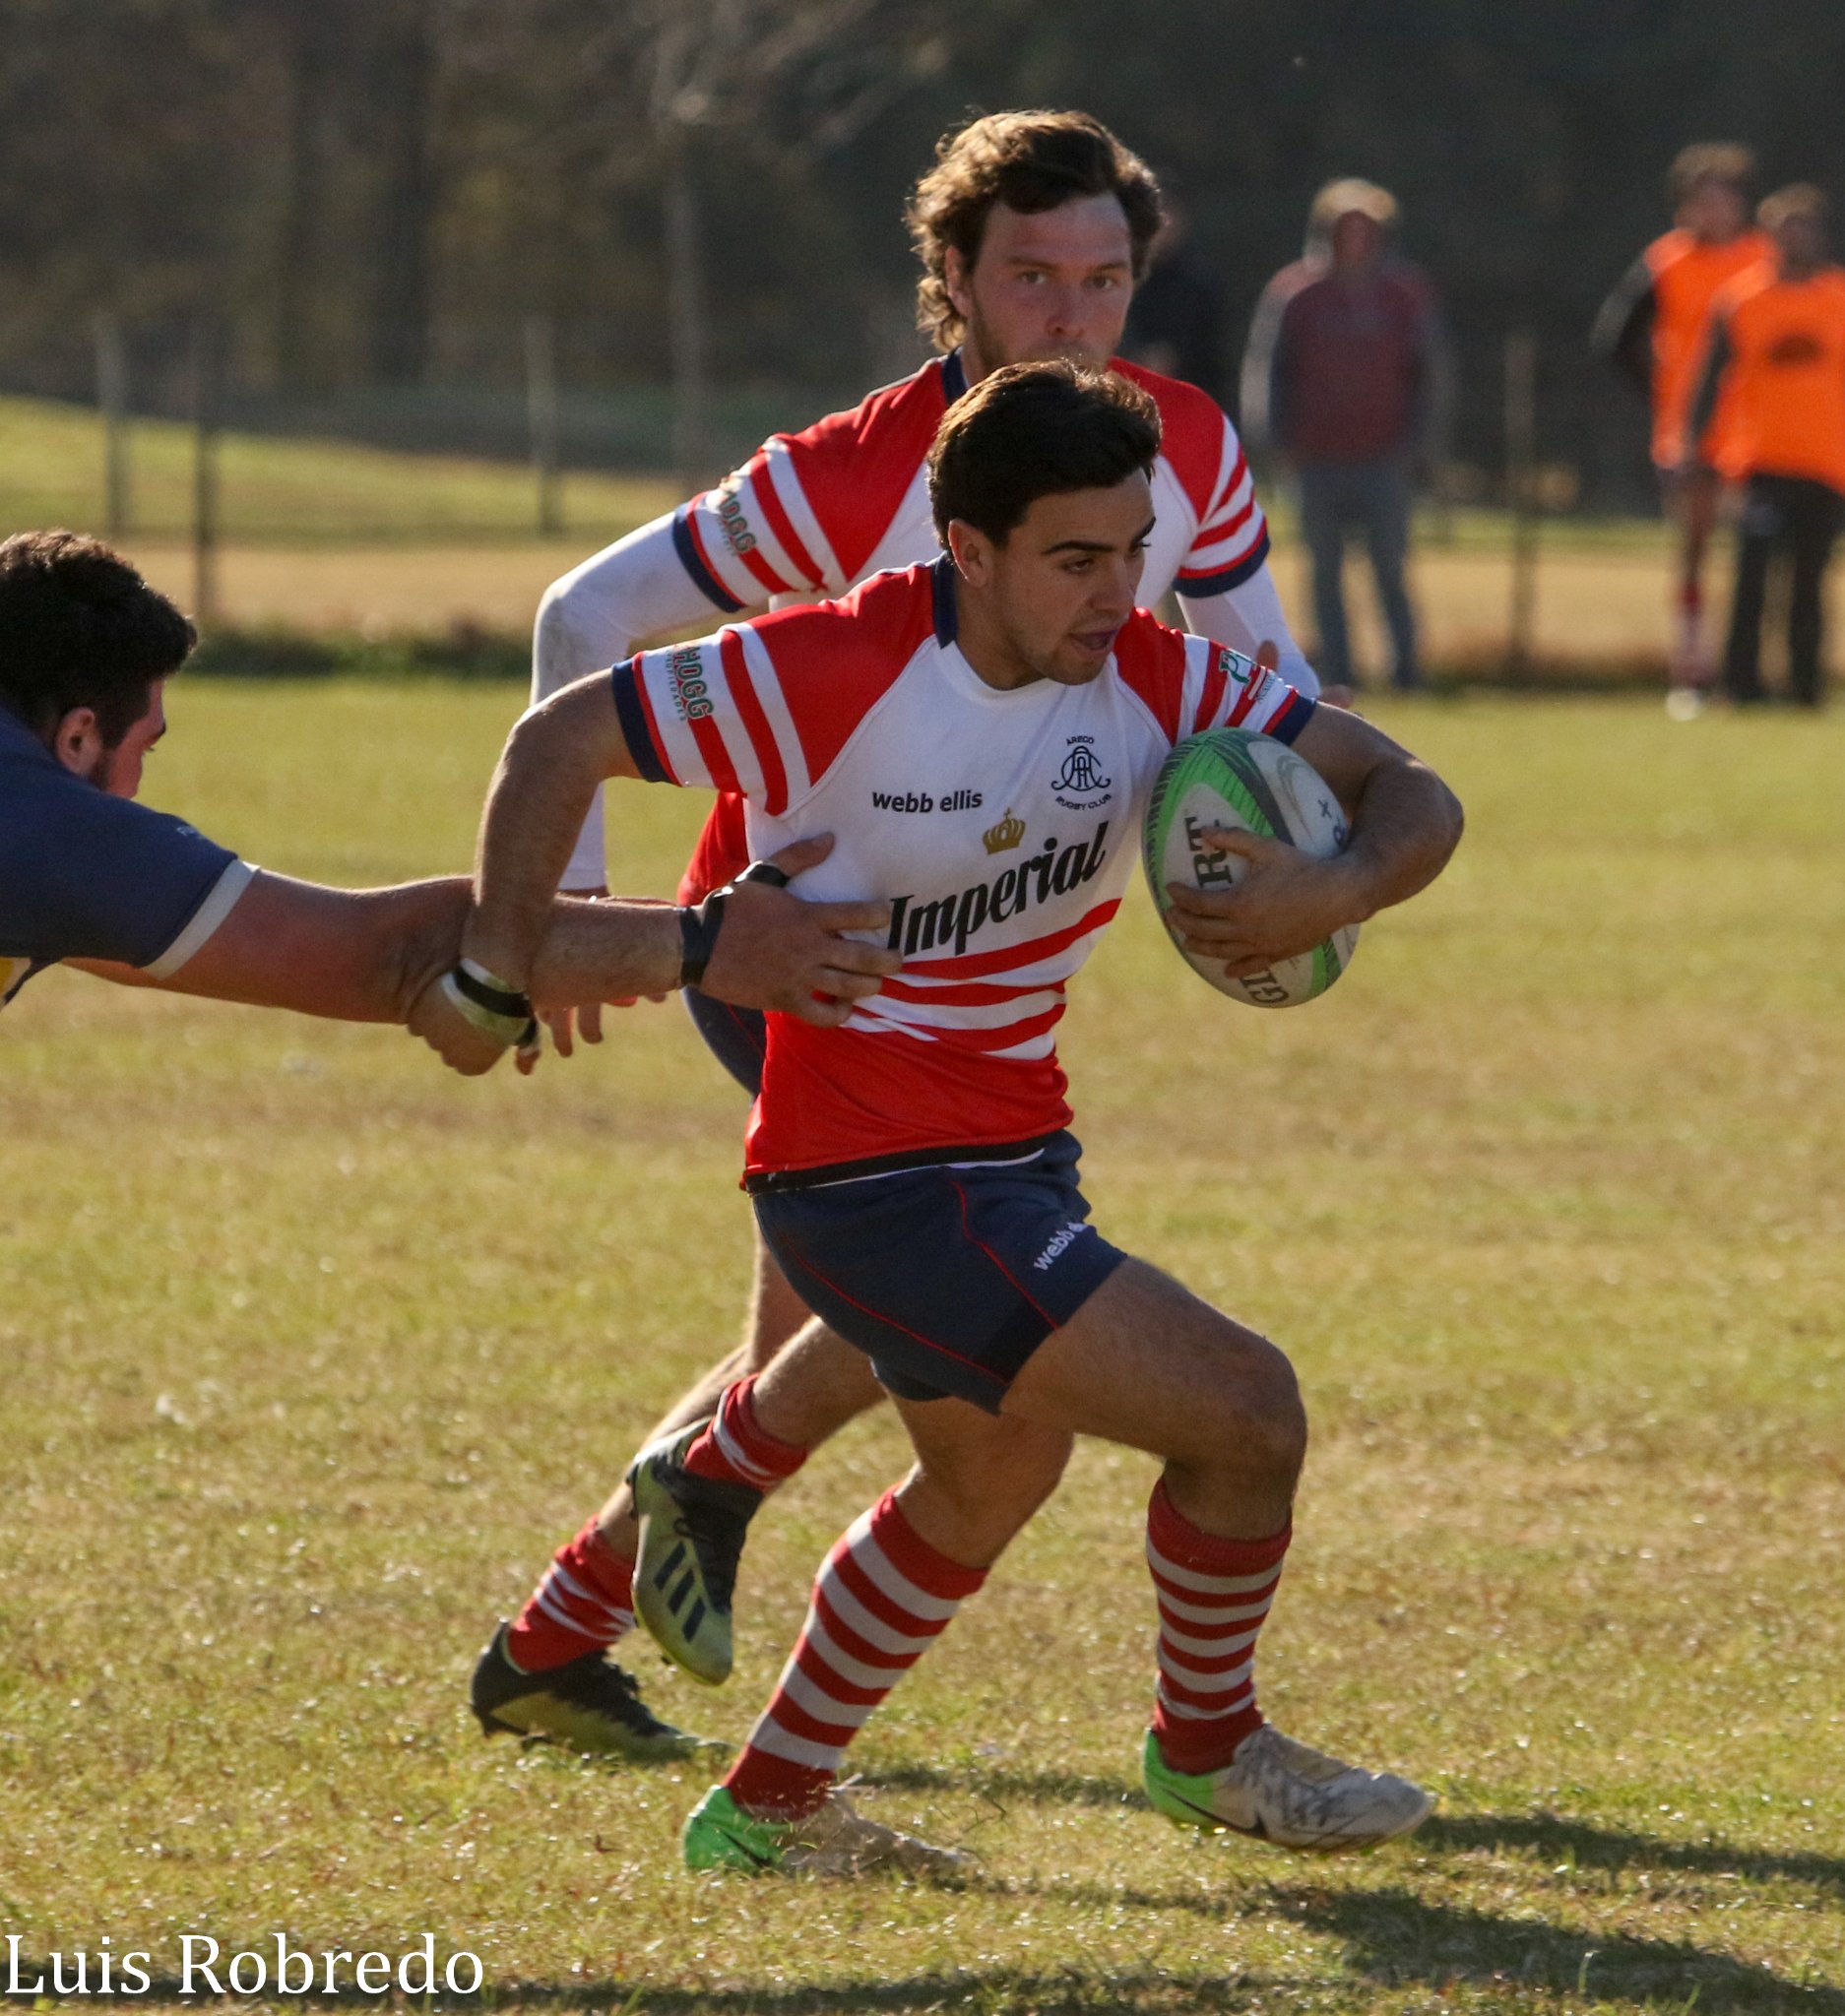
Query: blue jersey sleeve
<point x="84" y="875"/>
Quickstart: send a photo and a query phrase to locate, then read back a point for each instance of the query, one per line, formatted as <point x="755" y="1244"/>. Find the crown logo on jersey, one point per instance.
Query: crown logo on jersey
<point x="1008" y="833"/>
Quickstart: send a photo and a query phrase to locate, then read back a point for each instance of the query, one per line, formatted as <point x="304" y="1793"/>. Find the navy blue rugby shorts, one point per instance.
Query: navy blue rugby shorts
<point x="948" y="1277"/>
<point x="736" y="1036"/>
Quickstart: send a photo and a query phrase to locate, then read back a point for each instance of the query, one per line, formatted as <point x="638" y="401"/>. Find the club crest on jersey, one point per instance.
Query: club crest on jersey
<point x="1082" y="776"/>
<point x="918" y="927"/>
<point x="692" y="697"/>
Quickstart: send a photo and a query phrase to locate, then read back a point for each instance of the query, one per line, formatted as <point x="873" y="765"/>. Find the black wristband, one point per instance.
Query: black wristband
<point x="505" y="1001"/>
<point x="699" y="924"/>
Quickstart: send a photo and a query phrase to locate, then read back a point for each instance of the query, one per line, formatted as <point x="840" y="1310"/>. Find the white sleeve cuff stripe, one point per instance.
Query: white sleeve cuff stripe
<point x="204" y="920"/>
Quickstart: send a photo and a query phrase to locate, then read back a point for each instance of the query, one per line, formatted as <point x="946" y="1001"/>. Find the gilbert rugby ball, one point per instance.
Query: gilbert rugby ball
<point x="1229" y="777"/>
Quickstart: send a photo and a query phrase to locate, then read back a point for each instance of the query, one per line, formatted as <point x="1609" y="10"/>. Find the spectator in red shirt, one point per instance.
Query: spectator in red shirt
<point x="1347" y="377"/>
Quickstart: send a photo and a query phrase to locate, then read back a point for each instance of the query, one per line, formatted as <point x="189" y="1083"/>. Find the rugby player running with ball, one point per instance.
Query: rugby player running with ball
<point x="912" y="1171"/>
<point x="1032" y="228"/>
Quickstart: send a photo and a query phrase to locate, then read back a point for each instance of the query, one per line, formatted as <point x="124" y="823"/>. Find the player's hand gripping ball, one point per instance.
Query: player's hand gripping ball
<point x="1229" y="777"/>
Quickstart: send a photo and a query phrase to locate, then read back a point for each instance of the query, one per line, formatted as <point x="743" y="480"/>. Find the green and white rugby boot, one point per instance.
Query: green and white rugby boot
<point x="589" y="1705"/>
<point x="836" y="1841"/>
<point x="693" y="1532"/>
<point x="1279" y="1790"/>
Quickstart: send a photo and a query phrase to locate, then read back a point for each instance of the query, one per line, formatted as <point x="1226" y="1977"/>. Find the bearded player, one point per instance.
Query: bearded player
<point x="912" y="1170"/>
<point x="1653" y="327"/>
<point x="1033" y="229"/>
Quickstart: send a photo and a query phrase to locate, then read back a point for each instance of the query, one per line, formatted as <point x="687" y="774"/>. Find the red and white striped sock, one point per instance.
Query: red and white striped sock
<point x="583" y="1605"/>
<point x="735" y="1448"/>
<point x="1213" y="1594"/>
<point x="882" y="1597"/>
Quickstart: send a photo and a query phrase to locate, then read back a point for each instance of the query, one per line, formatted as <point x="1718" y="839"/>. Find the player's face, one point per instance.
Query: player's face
<point x="1050" y="602"/>
<point x="1714" y="211"/>
<point x="1044" y="284"/>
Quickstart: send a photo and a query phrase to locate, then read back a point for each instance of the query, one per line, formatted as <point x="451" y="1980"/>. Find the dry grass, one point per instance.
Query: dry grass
<point x="314" y="1353"/>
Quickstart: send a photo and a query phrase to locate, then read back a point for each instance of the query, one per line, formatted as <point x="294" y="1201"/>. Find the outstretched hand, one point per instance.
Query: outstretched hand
<point x="775" y="951"/>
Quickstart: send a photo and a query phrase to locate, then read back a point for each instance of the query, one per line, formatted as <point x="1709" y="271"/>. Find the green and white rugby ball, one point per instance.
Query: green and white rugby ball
<point x="1230" y="777"/>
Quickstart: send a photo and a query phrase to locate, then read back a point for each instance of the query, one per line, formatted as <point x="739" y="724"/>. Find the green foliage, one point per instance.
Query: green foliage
<point x="314" y="1353"/>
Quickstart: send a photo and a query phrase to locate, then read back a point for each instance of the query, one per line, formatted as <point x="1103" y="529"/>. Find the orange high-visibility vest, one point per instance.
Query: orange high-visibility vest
<point x="1686" y="276"/>
<point x="1785" y="385"/>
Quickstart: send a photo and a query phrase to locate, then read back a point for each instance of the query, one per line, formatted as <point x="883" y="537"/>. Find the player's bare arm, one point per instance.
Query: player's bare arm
<point x="1404" y="822"/>
<point x="356" y="955"/>
<point x="772" y="950"/>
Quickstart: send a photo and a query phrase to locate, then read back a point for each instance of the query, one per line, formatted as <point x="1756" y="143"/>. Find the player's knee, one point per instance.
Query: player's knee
<point x="1275" y="1415"/>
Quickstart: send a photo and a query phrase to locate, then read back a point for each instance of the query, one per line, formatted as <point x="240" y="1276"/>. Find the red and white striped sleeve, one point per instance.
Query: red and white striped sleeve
<point x="1231" y="539"/>
<point x="805" y="513"/>
<point x="755" y="535"/>
<point x="1226" y="690"/>
<point x="762" y="709"/>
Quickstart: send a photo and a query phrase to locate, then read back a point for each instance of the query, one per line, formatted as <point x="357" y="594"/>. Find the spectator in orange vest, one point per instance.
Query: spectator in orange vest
<point x="1652" y="327"/>
<point x="1774" y="358"/>
<point x="1347" y="375"/>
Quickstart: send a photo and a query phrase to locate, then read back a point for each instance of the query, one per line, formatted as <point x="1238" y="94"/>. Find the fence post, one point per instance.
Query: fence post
<point x="203" y="400"/>
<point x="112" y="402"/>
<point x="1521" y="491"/>
<point x="686" y="318"/>
<point x="542" y="415"/>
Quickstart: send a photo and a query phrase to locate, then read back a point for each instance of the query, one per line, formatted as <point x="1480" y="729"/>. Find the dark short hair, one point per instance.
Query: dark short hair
<point x="1798" y="199"/>
<point x="1709" y="161"/>
<point x="78" y="627"/>
<point x="1031" y="161"/>
<point x="1036" y="430"/>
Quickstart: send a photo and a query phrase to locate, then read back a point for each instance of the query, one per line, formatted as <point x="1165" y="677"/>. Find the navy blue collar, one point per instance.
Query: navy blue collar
<point x="954" y="376"/>
<point x="944" y="594"/>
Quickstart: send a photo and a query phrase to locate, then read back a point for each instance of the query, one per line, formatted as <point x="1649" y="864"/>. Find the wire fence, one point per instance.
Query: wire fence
<point x="160" y="433"/>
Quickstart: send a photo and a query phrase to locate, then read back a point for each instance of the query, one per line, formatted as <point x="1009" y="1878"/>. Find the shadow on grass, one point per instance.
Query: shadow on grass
<point x="1058" y="1991"/>
<point x="1398" y="1939"/>
<point x="1558" y="1840"/>
<point x="1548" y="1836"/>
<point x="1392" y="1939"/>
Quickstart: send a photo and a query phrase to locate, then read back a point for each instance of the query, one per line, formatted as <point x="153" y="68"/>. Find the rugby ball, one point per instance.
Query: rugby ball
<point x="1230" y="777"/>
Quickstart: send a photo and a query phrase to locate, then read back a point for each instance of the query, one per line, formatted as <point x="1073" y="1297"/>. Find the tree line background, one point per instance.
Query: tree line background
<point x="369" y="201"/>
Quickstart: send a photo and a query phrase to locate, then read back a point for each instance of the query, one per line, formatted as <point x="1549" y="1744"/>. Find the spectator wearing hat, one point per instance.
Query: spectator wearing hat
<point x="1347" y="377"/>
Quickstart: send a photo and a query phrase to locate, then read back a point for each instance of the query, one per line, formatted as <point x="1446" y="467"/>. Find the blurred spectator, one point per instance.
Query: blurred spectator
<point x="1652" y="328"/>
<point x="1347" y="376"/>
<point x="1175" y="324"/>
<point x="1776" y="356"/>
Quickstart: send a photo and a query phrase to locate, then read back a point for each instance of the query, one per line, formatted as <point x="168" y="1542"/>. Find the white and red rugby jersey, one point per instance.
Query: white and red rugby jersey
<point x="847" y="498"/>
<point x="1003" y="826"/>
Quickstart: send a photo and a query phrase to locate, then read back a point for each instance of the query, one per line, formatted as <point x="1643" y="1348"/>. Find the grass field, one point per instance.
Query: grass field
<point x="313" y="1353"/>
<point x="296" y="493"/>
